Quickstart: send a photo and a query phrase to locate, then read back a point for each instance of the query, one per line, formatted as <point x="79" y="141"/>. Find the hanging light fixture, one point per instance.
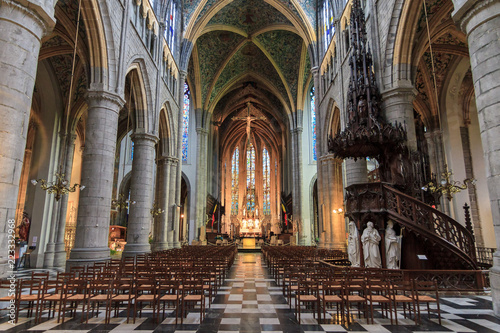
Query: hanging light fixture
<point x="446" y="185"/>
<point x="121" y="203"/>
<point x="61" y="186"/>
<point x="155" y="210"/>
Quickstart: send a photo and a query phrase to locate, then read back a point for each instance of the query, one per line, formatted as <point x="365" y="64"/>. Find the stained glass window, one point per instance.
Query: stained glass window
<point x="266" y="182"/>
<point x="234" y="181"/>
<point x="328" y="24"/>
<point x="185" y="122"/>
<point x="313" y="123"/>
<point x="250" y="178"/>
<point x="170" y="26"/>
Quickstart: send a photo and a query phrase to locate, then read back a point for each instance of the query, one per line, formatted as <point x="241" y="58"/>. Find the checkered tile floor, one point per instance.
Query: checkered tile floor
<point x="251" y="302"/>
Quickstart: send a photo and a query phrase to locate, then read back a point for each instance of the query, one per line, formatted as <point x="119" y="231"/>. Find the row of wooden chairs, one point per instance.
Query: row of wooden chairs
<point x="318" y="285"/>
<point x="134" y="282"/>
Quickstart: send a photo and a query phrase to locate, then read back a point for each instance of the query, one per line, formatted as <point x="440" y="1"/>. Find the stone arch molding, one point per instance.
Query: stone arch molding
<point x="142" y="93"/>
<point x="99" y="27"/>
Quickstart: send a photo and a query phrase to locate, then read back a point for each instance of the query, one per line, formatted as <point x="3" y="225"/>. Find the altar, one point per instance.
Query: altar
<point x="250" y="228"/>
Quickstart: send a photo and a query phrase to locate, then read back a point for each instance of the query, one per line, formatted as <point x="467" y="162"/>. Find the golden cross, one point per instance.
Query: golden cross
<point x="249" y="118"/>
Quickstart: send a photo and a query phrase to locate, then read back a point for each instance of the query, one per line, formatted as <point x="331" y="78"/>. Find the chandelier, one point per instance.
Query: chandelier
<point x="447" y="186"/>
<point x="61" y="186"/>
<point x="121" y="202"/>
<point x="155" y="211"/>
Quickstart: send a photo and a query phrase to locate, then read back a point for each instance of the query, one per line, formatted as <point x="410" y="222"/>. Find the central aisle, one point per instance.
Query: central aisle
<point x="250" y="301"/>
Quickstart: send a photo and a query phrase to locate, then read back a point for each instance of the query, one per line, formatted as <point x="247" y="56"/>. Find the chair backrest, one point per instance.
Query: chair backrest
<point x="428" y="287"/>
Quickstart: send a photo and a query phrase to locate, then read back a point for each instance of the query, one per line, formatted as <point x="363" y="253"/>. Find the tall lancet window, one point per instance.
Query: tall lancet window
<point x="185" y="122"/>
<point x="313" y="123"/>
<point x="234" y="181"/>
<point x="266" y="182"/>
<point x="250" y="178"/>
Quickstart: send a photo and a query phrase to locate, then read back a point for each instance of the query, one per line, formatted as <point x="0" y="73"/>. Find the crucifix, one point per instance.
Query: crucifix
<point x="249" y="120"/>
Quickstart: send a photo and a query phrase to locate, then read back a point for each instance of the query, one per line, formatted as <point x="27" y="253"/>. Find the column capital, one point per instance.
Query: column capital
<point x="40" y="12"/>
<point x="330" y="157"/>
<point x="471" y="13"/>
<point x="135" y="137"/>
<point x="97" y="96"/>
<point x="201" y="130"/>
<point x="315" y="70"/>
<point x="401" y="88"/>
<point x="297" y="130"/>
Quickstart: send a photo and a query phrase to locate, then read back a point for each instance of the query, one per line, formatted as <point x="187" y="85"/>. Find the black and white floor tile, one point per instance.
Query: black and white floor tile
<point x="251" y="302"/>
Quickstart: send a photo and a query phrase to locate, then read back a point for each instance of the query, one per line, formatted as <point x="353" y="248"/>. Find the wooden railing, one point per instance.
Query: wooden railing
<point x="414" y="215"/>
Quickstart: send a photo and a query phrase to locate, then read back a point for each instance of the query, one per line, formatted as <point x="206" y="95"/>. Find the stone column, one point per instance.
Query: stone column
<point x="398" y="106"/>
<point x="297" y="181"/>
<point x="338" y="227"/>
<point x="98" y="162"/>
<point x="172" y="207"/>
<point x="48" y="255"/>
<point x="324" y="203"/>
<point x="437" y="161"/>
<point x="141" y="185"/>
<point x="201" y="178"/>
<point x="160" y="222"/>
<point x="59" y="248"/>
<point x="22" y="27"/>
<point x="481" y="22"/>
<point x="178" y="167"/>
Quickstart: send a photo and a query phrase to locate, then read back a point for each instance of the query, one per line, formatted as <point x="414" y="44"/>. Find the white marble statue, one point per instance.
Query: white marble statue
<point x="353" y="245"/>
<point x="371" y="239"/>
<point x="392" y="247"/>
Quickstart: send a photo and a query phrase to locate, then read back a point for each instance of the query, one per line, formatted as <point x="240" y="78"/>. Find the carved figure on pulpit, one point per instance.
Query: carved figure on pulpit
<point x="392" y="247"/>
<point x="353" y="245"/>
<point x="363" y="110"/>
<point x="371" y="239"/>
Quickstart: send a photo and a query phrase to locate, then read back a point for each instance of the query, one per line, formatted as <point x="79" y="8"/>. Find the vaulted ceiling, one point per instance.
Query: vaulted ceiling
<point x="249" y="51"/>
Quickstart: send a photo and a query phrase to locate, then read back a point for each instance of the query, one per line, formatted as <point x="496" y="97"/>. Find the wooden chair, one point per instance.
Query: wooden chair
<point x="427" y="292"/>
<point x="404" y="293"/>
<point x="50" y="298"/>
<point x="74" y="293"/>
<point x="380" y="292"/>
<point x="332" y="293"/>
<point x="145" y="292"/>
<point x="168" y="293"/>
<point x="99" y="292"/>
<point x="123" y="292"/>
<point x="355" y="293"/>
<point x="28" y="292"/>
<point x="192" y="294"/>
<point x="308" y="294"/>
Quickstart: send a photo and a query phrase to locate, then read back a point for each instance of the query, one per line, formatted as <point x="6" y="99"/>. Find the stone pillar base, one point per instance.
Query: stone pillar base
<point x="134" y="249"/>
<point x="48" y="256"/>
<point x="59" y="255"/>
<point x="495" y="283"/>
<point x="159" y="246"/>
<point x="87" y="256"/>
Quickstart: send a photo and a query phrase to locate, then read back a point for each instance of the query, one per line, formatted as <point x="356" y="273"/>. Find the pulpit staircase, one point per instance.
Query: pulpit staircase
<point x="445" y="242"/>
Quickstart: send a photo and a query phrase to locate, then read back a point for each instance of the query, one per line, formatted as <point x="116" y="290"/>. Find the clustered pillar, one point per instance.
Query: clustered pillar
<point x="141" y="185"/>
<point x="481" y="22"/>
<point x="22" y="27"/>
<point x="92" y="228"/>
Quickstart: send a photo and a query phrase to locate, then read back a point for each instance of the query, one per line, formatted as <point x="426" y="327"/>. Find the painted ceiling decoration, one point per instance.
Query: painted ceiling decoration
<point x="302" y="9"/>
<point x="248" y="16"/>
<point x="449" y="47"/>
<point x="250" y="51"/>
